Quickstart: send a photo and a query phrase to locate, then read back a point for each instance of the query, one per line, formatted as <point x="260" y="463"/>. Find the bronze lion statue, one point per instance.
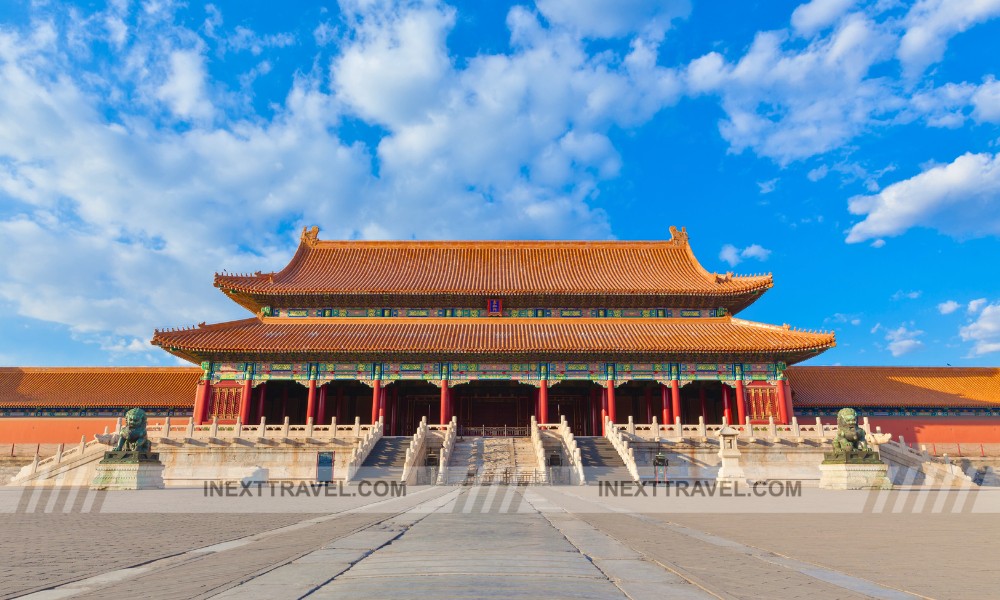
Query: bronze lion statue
<point x="132" y="437"/>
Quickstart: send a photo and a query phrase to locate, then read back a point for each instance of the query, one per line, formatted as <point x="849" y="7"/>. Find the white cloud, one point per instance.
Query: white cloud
<point x="929" y="25"/>
<point x="787" y="102"/>
<point x="184" y="89"/>
<point x="111" y="219"/>
<point x="903" y="341"/>
<point x="976" y="305"/>
<point x="615" y="18"/>
<point x="733" y="255"/>
<point x="912" y="295"/>
<point x="984" y="331"/>
<point x="817" y="173"/>
<point x="766" y="187"/>
<point x="948" y="307"/>
<point x="816" y="15"/>
<point x="958" y="199"/>
<point x="986" y="100"/>
<point x="878" y="243"/>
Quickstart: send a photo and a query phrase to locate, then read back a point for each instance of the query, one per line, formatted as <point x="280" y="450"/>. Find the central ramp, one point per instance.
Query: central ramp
<point x="493" y="460"/>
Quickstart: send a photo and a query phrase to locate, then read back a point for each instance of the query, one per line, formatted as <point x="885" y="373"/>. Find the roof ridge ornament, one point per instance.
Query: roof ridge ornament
<point x="310" y="236"/>
<point x="679" y="238"/>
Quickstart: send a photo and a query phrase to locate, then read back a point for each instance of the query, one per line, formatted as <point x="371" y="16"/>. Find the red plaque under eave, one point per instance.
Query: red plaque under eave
<point x="494" y="307"/>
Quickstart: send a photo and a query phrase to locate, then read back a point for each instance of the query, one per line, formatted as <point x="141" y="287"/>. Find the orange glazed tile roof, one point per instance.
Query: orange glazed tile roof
<point x="477" y="336"/>
<point x="88" y="387"/>
<point x="495" y="268"/>
<point x="931" y="387"/>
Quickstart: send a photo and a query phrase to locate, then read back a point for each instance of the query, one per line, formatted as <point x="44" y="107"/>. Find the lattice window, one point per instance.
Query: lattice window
<point x="762" y="401"/>
<point x="225" y="402"/>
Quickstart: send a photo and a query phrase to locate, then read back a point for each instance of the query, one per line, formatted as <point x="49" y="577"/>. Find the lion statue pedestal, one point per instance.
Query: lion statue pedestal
<point x="852" y="465"/>
<point x="131" y="465"/>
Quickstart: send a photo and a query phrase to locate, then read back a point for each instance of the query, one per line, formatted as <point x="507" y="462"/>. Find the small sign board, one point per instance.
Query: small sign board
<point x="494" y="307"/>
<point x="324" y="467"/>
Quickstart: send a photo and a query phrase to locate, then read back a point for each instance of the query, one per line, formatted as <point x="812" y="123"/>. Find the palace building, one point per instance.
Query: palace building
<point x="493" y="333"/>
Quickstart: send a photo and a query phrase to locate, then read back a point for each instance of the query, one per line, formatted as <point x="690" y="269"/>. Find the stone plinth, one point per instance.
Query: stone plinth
<point x="854" y="476"/>
<point x="128" y="471"/>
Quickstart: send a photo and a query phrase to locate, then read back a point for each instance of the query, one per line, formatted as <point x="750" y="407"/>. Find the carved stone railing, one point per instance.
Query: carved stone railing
<point x="614" y="435"/>
<point x="38" y="466"/>
<point x="446" y="449"/>
<point x="360" y="453"/>
<point x="749" y="431"/>
<point x="536" y="443"/>
<point x="181" y="432"/>
<point x="573" y="456"/>
<point x="415" y="451"/>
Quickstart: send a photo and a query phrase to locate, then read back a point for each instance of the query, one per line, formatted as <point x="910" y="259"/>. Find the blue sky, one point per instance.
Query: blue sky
<point x="850" y="148"/>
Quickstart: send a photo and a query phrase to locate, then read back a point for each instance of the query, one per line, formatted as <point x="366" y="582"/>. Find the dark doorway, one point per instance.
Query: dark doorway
<point x="494" y="403"/>
<point x="579" y="402"/>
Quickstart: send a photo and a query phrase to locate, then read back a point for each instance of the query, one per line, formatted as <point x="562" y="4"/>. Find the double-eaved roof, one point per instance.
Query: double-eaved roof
<point x="647" y="278"/>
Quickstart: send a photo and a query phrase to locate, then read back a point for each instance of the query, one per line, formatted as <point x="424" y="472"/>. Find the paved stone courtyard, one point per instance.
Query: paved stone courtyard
<point x="497" y="542"/>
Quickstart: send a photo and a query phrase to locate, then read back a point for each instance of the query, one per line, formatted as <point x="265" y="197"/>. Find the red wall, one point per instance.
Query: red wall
<point x="55" y="430"/>
<point x="929" y="430"/>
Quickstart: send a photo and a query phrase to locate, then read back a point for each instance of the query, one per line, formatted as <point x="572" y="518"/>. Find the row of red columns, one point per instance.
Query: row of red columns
<point x="670" y="411"/>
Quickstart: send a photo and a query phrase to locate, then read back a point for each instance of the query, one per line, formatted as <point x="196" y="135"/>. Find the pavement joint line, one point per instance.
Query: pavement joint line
<point x="277" y="565"/>
<point x="370" y="551"/>
<point x="831" y="576"/>
<point x="124" y="573"/>
<point x="613" y="580"/>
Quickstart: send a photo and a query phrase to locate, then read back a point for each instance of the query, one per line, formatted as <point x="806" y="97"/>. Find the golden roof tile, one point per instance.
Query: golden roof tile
<point x="90" y="387"/>
<point x="497" y="268"/>
<point x="928" y="387"/>
<point x="492" y="336"/>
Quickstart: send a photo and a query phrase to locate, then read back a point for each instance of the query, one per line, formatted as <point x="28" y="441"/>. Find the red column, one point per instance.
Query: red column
<point x="612" y="410"/>
<point x="782" y="407"/>
<point x="321" y="413"/>
<point x="201" y="401"/>
<point x="725" y="404"/>
<point x="311" y="402"/>
<point x="381" y="405"/>
<point x="701" y="398"/>
<point x="790" y="410"/>
<point x="245" y="401"/>
<point x="260" y="401"/>
<point x="445" y="402"/>
<point x="543" y="402"/>
<point x="675" y="397"/>
<point x="604" y="410"/>
<point x="741" y="399"/>
<point x="741" y="409"/>
<point x="376" y="394"/>
<point x="665" y="401"/>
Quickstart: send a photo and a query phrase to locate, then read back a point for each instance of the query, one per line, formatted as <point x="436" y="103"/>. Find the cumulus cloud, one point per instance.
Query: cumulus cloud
<point x="184" y="89"/>
<point x="126" y="182"/>
<point x="733" y="255"/>
<point x="929" y="24"/>
<point x="948" y="307"/>
<point x="911" y="295"/>
<point x="984" y="332"/>
<point x="786" y="102"/>
<point x="816" y="15"/>
<point x="958" y="199"/>
<point x="976" y="305"/>
<point x="903" y="341"/>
